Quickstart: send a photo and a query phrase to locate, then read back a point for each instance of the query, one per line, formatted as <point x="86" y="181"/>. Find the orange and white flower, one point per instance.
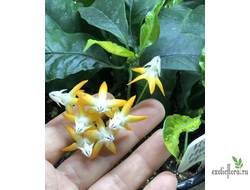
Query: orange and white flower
<point x="67" y="99"/>
<point x="85" y="144"/>
<point x="151" y="71"/>
<point x="84" y="120"/>
<point x="121" y="118"/>
<point x="103" y="136"/>
<point x="101" y="104"/>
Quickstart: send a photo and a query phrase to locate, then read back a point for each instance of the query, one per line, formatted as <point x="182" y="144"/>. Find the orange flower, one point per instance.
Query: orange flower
<point x="121" y="118"/>
<point x="151" y="74"/>
<point x="67" y="99"/>
<point x="84" y="120"/>
<point x="85" y="144"/>
<point x="103" y="136"/>
<point x="101" y="104"/>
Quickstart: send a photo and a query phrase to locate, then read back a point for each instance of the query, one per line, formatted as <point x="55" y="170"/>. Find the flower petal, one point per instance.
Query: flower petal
<point x="71" y="147"/>
<point x="126" y="126"/>
<point x="132" y="118"/>
<point x="96" y="150"/>
<point x="69" y="117"/>
<point x="102" y="95"/>
<point x="69" y="109"/>
<point x="111" y="147"/>
<point x="126" y="108"/>
<point x="95" y="134"/>
<point x="72" y="93"/>
<point x="159" y="84"/>
<point x="151" y="83"/>
<point x="81" y="108"/>
<point x="72" y="132"/>
<point x="87" y="98"/>
<point x="143" y="76"/>
<point x="100" y="124"/>
<point x="141" y="70"/>
<point x="116" y="103"/>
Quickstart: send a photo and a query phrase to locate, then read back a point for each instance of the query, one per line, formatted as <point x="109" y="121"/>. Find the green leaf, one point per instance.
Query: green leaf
<point x="108" y="15"/>
<point x="241" y="165"/>
<point x="173" y="126"/>
<point x="235" y="159"/>
<point x="65" y="14"/>
<point x="178" y="51"/>
<point x="202" y="64"/>
<point x="239" y="161"/>
<point x="172" y="3"/>
<point x="111" y="48"/>
<point x="136" y="12"/>
<point x="150" y="30"/>
<point x="86" y="3"/>
<point x="237" y="167"/>
<point x="193" y="21"/>
<point x="64" y="56"/>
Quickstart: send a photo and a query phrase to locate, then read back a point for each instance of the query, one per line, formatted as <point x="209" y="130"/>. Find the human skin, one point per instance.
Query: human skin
<point x="79" y="172"/>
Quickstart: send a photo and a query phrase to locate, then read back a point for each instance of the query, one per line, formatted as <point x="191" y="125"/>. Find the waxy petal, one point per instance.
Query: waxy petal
<point x="72" y="93"/>
<point x="81" y="108"/>
<point x="71" y="147"/>
<point x="126" y="126"/>
<point x="111" y="147"/>
<point x="132" y="118"/>
<point x="95" y="134"/>
<point x="96" y="150"/>
<point x="151" y="83"/>
<point x="143" y="76"/>
<point x="87" y="98"/>
<point x="69" y="109"/>
<point x="159" y="84"/>
<point x="72" y="132"/>
<point x="69" y="117"/>
<point x="126" y="108"/>
<point x="100" y="124"/>
<point x="141" y="70"/>
<point x="116" y="103"/>
<point x="102" y="95"/>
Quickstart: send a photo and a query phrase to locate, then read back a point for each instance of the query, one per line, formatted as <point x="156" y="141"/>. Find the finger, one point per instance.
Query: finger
<point x="165" y="180"/>
<point x="138" y="167"/>
<point x="85" y="172"/>
<point x="57" y="136"/>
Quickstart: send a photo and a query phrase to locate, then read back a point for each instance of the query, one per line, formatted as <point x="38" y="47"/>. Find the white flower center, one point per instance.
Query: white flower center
<point x="107" y="136"/>
<point x="101" y="105"/>
<point x="116" y="122"/>
<point x="86" y="146"/>
<point x="82" y="124"/>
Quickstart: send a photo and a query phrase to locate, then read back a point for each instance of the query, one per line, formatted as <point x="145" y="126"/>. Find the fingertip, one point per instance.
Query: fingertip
<point x="165" y="180"/>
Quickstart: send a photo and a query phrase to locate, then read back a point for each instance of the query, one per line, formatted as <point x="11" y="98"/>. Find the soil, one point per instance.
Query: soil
<point x="52" y="110"/>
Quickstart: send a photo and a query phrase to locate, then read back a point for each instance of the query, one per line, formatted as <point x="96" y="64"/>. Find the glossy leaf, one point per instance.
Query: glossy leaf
<point x="86" y="3"/>
<point x="173" y="3"/>
<point x="110" y="47"/>
<point x="202" y="64"/>
<point x="65" y="14"/>
<point x="64" y="56"/>
<point x="136" y="12"/>
<point x="108" y="15"/>
<point x="193" y="21"/>
<point x="173" y="126"/>
<point x="178" y="51"/>
<point x="150" y="30"/>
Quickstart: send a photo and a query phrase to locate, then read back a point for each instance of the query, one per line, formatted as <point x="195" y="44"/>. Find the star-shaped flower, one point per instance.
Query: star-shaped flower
<point x="151" y="71"/>
<point x="121" y="118"/>
<point x="101" y="104"/>
<point x="85" y="144"/>
<point x="103" y="136"/>
<point x="67" y="99"/>
<point x="84" y="120"/>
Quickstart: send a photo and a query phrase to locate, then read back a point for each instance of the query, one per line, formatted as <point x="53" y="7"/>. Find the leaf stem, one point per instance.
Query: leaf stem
<point x="129" y="80"/>
<point x="185" y="143"/>
<point x="142" y="93"/>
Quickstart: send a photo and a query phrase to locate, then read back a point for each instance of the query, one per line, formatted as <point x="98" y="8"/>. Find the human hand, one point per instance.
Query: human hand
<point x="78" y="172"/>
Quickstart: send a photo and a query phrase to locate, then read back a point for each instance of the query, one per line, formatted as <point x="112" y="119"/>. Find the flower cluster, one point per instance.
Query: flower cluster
<point x="89" y="131"/>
